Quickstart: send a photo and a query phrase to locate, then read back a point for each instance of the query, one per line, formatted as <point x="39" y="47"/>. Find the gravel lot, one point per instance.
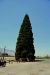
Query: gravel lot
<point x="26" y="68"/>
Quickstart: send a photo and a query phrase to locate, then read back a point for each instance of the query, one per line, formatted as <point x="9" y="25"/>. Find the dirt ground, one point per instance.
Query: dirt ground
<point x="27" y="68"/>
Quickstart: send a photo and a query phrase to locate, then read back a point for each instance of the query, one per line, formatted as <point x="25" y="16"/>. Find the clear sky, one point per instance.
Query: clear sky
<point x="11" y="16"/>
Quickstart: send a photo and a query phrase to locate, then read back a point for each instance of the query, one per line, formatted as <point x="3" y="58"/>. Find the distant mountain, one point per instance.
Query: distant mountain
<point x="10" y="52"/>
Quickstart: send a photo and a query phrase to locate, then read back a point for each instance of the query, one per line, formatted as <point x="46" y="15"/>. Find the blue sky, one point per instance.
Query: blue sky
<point x="11" y="16"/>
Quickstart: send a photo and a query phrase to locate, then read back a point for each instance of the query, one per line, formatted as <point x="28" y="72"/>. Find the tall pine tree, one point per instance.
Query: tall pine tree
<point x="25" y="42"/>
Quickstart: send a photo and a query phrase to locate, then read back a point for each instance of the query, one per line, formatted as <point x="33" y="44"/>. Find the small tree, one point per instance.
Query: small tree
<point x="24" y="46"/>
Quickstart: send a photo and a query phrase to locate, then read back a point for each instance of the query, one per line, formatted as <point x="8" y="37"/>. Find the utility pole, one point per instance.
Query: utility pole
<point x="4" y="52"/>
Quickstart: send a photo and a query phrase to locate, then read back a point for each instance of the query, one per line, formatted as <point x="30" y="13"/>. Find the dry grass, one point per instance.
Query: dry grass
<point x="9" y="58"/>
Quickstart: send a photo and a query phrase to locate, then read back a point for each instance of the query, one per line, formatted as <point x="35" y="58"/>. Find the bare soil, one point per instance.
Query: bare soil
<point x="27" y="68"/>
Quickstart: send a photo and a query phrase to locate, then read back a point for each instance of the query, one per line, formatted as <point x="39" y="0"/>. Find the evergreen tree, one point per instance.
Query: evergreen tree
<point x="24" y="46"/>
